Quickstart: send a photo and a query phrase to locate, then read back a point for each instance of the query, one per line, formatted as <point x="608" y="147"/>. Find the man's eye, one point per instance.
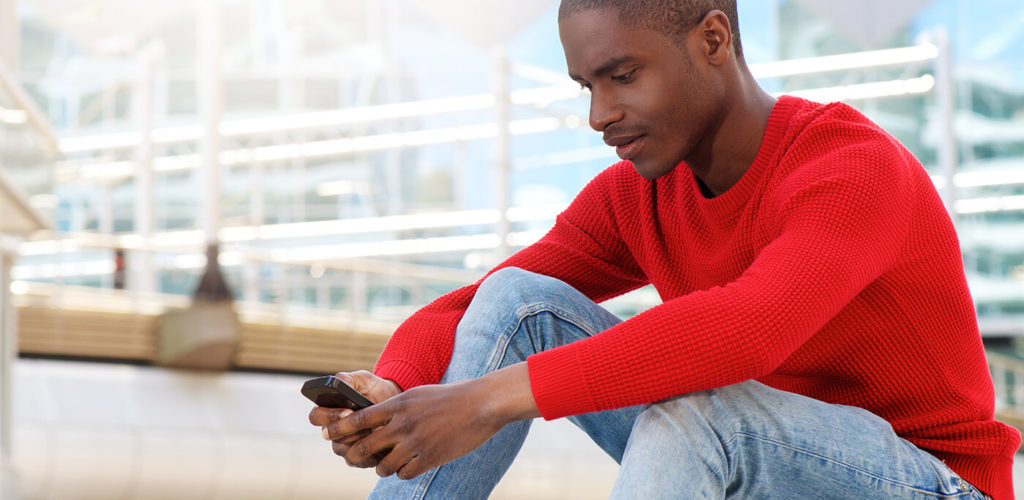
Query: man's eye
<point x="625" y="77"/>
<point x="585" y="87"/>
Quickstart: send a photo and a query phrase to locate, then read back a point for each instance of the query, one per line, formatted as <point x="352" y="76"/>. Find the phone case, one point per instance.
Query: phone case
<point x="332" y="392"/>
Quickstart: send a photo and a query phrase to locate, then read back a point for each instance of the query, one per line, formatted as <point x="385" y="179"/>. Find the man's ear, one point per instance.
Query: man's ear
<point x="717" y="40"/>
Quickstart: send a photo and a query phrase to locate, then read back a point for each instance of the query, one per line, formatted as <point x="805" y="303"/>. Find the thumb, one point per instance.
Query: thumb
<point x="361" y="380"/>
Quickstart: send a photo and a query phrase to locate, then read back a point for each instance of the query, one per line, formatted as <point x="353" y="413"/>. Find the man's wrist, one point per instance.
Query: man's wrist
<point x="508" y="395"/>
<point x="398" y="388"/>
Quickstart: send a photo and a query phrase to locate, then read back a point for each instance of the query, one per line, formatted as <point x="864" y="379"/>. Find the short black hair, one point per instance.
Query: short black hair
<point x="672" y="18"/>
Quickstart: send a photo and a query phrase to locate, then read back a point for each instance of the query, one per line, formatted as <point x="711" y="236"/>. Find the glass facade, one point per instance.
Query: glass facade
<point x="368" y="149"/>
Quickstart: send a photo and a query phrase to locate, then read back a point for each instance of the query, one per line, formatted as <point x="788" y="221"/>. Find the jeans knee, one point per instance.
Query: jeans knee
<point x="723" y="412"/>
<point x="514" y="287"/>
<point x="674" y="431"/>
<point x="489" y="329"/>
<point x="679" y="413"/>
<point x="716" y="412"/>
<point x="504" y="278"/>
<point x="494" y="305"/>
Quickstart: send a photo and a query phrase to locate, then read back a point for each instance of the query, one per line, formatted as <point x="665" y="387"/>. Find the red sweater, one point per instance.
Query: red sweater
<point x="831" y="269"/>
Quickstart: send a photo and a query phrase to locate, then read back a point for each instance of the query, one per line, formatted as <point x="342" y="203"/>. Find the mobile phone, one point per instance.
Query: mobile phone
<point x="332" y="392"/>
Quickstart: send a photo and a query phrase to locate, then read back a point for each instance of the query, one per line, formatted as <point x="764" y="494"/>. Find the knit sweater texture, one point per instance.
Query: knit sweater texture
<point x="831" y="269"/>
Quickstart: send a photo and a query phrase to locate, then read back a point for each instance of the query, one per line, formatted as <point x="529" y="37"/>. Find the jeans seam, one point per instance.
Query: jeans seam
<point x="724" y="470"/>
<point x="498" y="354"/>
<point x="851" y="467"/>
<point x="528" y="311"/>
<point x="539" y="307"/>
<point x="421" y="492"/>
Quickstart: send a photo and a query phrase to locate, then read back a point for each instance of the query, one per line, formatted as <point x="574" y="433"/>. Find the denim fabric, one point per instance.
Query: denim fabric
<point x="742" y="441"/>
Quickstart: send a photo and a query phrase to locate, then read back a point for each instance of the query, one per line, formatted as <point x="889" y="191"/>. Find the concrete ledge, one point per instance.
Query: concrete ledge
<point x="8" y="481"/>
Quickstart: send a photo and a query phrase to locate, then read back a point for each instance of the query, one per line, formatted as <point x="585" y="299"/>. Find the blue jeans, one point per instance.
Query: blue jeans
<point x="742" y="441"/>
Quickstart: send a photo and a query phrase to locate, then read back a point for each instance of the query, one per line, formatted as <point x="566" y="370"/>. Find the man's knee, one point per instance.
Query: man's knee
<point x="514" y="286"/>
<point x="747" y="407"/>
<point x="720" y="411"/>
<point x="675" y="439"/>
<point x="504" y="278"/>
<point x="682" y="413"/>
<point x="694" y="428"/>
<point x="495" y="305"/>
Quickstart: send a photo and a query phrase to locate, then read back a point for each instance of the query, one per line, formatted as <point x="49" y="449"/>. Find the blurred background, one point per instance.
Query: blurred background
<point x="204" y="203"/>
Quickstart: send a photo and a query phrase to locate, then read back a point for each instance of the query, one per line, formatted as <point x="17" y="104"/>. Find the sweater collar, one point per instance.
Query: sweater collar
<point x="729" y="202"/>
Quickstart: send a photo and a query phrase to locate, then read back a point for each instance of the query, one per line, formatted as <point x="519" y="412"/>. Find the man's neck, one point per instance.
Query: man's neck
<point x="735" y="141"/>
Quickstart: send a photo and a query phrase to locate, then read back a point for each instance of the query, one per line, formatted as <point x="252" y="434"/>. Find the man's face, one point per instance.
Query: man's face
<point x="648" y="97"/>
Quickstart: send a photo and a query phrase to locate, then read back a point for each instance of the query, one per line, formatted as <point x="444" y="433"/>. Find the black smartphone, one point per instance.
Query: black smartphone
<point x="332" y="392"/>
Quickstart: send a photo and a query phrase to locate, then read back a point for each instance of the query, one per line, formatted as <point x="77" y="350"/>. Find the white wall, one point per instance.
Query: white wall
<point x="100" y="431"/>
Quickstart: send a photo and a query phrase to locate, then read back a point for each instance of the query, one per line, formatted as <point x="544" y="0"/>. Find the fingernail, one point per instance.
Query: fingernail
<point x="343" y="413"/>
<point x="325" y="433"/>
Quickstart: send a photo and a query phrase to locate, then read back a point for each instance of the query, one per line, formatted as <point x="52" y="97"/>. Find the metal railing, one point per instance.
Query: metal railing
<point x="1008" y="380"/>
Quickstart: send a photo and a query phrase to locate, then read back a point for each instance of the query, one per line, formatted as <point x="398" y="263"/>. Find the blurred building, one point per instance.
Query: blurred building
<point x="355" y="160"/>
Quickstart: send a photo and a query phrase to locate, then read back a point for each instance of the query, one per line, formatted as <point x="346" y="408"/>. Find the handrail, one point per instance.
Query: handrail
<point x="16" y="199"/>
<point x="83" y="298"/>
<point x="35" y="116"/>
<point x="1008" y="380"/>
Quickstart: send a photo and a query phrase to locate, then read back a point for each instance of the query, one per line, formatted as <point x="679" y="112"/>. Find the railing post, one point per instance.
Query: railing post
<point x="142" y="276"/>
<point x="998" y="381"/>
<point x="211" y="107"/>
<point x="948" y="155"/>
<point x="10" y="36"/>
<point x="8" y="353"/>
<point x="502" y="118"/>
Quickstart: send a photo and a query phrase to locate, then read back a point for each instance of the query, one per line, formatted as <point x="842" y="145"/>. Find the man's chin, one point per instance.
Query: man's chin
<point x="650" y="172"/>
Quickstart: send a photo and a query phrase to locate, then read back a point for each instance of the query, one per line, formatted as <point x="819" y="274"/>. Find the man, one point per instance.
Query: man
<point x="817" y="338"/>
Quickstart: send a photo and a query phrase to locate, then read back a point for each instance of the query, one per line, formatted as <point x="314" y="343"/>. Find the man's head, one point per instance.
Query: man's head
<point x="672" y="18"/>
<point x="661" y="73"/>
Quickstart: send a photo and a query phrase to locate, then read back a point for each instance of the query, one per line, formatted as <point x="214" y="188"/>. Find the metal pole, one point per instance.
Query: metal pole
<point x="946" y="102"/>
<point x="394" y="182"/>
<point x="105" y="206"/>
<point x="8" y="353"/>
<point x="501" y="108"/>
<point x="257" y="188"/>
<point x="211" y="103"/>
<point x="359" y="298"/>
<point x="459" y="176"/>
<point x="10" y="35"/>
<point x="140" y="268"/>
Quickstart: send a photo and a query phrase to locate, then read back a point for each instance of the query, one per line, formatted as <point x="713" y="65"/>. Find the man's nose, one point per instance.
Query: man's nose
<point x="603" y="111"/>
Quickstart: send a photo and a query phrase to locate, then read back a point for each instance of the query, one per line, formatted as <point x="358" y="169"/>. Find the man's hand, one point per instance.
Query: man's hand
<point x="428" y="426"/>
<point x="375" y="389"/>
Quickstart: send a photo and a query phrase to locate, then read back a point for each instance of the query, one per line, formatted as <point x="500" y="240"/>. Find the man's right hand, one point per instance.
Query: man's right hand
<point x="375" y="389"/>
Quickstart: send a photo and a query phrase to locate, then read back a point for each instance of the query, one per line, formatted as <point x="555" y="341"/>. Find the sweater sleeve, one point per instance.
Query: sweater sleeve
<point x="836" y="234"/>
<point x="583" y="249"/>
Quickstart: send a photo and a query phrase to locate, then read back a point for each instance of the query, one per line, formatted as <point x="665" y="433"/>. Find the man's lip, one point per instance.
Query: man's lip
<point x="628" y="147"/>
<point x="619" y="140"/>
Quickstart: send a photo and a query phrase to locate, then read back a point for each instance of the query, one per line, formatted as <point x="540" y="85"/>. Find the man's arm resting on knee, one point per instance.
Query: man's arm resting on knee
<point x="431" y="425"/>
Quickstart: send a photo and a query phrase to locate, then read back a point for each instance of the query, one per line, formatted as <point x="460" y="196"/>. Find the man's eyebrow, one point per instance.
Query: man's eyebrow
<point x="605" y="68"/>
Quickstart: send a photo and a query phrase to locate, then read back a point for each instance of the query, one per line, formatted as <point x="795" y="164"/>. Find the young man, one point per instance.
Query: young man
<point x="817" y="338"/>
